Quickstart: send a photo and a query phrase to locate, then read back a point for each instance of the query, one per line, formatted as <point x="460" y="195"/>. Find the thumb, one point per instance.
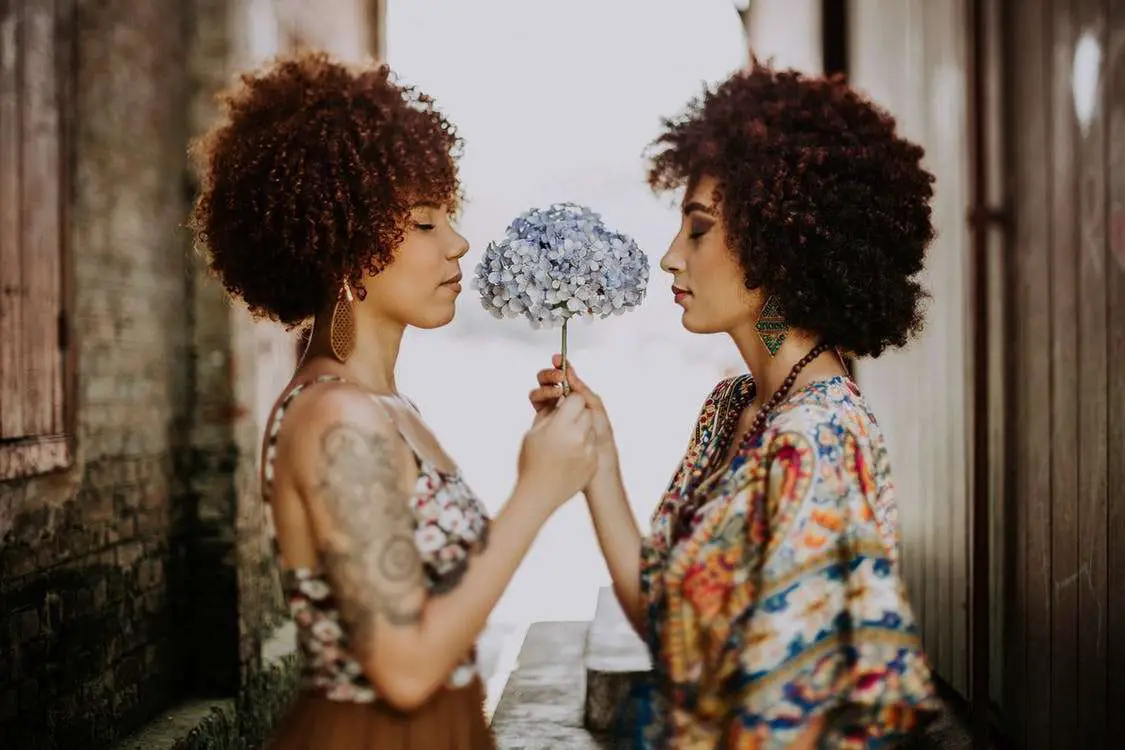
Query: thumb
<point x="571" y="406"/>
<point x="576" y="383"/>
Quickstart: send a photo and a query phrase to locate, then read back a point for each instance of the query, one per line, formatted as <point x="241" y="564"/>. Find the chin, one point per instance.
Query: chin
<point x="693" y="324"/>
<point x="436" y="319"/>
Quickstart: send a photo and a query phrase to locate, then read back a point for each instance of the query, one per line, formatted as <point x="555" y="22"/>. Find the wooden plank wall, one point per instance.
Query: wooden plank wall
<point x="30" y="242"/>
<point x="1114" y="89"/>
<point x="910" y="56"/>
<point x="1065" y="603"/>
<point x="34" y="182"/>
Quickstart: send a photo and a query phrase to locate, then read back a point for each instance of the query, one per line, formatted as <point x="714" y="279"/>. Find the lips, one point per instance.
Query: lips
<point x="679" y="294"/>
<point x="453" y="283"/>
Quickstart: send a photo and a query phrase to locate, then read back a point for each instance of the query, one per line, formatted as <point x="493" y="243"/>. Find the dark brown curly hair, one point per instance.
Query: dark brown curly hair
<point x="826" y="206"/>
<point x="309" y="180"/>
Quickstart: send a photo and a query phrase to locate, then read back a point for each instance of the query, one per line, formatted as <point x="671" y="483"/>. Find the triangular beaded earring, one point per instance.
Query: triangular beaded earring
<point x="771" y="325"/>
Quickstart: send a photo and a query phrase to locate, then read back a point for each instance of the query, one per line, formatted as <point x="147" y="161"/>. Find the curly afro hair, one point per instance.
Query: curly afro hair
<point x="309" y="180"/>
<point x="827" y="208"/>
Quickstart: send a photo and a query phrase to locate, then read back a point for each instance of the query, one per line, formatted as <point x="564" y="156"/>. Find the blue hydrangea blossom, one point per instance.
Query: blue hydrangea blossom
<point x="558" y="262"/>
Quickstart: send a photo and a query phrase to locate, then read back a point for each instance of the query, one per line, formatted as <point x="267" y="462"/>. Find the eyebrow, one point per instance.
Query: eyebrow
<point x="697" y="206"/>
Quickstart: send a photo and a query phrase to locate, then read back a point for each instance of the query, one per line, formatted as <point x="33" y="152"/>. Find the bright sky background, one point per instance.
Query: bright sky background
<point x="556" y="101"/>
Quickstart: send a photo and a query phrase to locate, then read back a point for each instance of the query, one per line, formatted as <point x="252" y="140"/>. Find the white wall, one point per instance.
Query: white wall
<point x="787" y="32"/>
<point x="910" y="55"/>
<point x="557" y="102"/>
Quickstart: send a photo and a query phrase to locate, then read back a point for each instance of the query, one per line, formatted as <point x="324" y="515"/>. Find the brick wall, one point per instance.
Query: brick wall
<point x="86" y="637"/>
<point x="142" y="576"/>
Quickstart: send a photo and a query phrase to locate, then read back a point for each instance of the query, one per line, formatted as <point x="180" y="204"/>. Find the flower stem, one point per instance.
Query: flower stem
<point x="565" y="384"/>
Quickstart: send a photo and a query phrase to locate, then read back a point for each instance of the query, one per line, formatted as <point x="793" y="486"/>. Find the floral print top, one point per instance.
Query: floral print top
<point x="450" y="524"/>
<point x="782" y="602"/>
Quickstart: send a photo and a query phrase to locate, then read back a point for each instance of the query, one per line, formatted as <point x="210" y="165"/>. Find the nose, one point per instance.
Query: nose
<point x="459" y="246"/>
<point x="673" y="260"/>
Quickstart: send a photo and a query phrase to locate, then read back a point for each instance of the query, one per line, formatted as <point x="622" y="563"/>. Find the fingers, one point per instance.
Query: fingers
<point x="545" y="397"/>
<point x="571" y="374"/>
<point x="572" y="407"/>
<point x="550" y="381"/>
<point x="542" y="413"/>
<point x="551" y="376"/>
<point x="554" y="376"/>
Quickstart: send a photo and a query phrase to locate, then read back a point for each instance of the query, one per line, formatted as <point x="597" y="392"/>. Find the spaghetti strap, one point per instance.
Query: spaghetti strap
<point x="419" y="456"/>
<point x="274" y="428"/>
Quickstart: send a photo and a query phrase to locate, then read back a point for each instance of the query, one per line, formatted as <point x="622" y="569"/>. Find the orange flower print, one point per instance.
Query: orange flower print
<point x="828" y="519"/>
<point x="812" y="540"/>
<point x="704" y="586"/>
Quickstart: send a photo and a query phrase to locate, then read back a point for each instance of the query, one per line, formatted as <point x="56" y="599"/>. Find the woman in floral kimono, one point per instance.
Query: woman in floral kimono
<point x="769" y="588"/>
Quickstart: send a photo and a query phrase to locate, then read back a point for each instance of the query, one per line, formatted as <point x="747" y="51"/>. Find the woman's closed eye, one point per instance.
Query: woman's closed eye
<point x="425" y="227"/>
<point x="699" y="228"/>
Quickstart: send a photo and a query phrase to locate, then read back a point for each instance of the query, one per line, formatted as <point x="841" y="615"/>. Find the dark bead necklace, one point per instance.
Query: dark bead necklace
<point x="689" y="508"/>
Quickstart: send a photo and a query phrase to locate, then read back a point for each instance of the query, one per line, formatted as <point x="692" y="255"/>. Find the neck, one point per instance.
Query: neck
<point x="770" y="370"/>
<point x="372" y="362"/>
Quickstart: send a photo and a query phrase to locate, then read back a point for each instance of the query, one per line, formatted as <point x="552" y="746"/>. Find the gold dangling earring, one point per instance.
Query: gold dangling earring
<point x="771" y="325"/>
<point x="341" y="331"/>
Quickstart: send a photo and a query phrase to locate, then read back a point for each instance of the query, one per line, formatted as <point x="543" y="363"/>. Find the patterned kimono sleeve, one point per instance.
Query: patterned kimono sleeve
<point x="829" y="635"/>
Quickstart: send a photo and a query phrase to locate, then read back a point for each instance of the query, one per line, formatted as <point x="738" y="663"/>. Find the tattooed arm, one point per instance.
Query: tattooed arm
<point x="355" y="474"/>
<point x="368" y="542"/>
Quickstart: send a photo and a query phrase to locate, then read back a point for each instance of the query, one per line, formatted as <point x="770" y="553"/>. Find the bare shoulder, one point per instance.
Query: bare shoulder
<point x="339" y="433"/>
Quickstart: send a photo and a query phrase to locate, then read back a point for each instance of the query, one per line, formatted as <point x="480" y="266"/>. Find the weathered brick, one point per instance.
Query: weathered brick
<point x="150" y="574"/>
<point x="9" y="704"/>
<point x="17" y="560"/>
<point x="141" y="574"/>
<point x="128" y="553"/>
<point x="29" y="694"/>
<point x="24" y="626"/>
<point x="54" y="610"/>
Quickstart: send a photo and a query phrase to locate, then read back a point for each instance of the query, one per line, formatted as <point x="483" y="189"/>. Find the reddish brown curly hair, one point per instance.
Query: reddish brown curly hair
<point x="309" y="179"/>
<point x="825" y="205"/>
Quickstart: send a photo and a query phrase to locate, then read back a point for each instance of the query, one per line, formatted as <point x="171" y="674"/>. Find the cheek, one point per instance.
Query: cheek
<point x="412" y="270"/>
<point x="397" y="286"/>
<point x="717" y="271"/>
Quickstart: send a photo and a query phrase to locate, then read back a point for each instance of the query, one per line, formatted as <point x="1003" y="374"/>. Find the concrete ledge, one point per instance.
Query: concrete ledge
<point x="615" y="658"/>
<point x="194" y="725"/>
<point x="541" y="706"/>
<point x="229" y="724"/>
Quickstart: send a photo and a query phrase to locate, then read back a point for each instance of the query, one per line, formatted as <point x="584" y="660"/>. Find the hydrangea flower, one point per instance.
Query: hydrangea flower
<point x="558" y="262"/>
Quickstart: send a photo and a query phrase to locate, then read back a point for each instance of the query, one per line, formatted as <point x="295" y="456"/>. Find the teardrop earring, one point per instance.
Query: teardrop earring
<point x="341" y="331"/>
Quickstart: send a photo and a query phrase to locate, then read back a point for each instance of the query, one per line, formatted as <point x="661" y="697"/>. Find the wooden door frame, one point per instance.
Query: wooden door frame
<point x="989" y="219"/>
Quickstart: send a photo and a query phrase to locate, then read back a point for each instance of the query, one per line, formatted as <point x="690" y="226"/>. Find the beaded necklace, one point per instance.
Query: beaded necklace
<point x="686" y="518"/>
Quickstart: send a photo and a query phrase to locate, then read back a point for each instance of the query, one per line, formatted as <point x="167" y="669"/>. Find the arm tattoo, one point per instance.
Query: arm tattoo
<point x="373" y="562"/>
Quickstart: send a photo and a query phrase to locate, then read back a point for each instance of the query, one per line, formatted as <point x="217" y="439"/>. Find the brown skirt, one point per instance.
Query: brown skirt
<point x="450" y="720"/>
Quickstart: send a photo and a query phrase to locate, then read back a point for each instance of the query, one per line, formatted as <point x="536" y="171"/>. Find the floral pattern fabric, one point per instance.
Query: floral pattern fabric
<point x="450" y="525"/>
<point x="782" y="602"/>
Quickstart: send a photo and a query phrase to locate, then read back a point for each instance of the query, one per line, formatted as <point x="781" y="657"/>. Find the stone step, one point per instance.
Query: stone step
<point x="615" y="658"/>
<point x="541" y="706"/>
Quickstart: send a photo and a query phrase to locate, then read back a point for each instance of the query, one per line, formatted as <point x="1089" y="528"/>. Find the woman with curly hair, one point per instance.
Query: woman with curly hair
<point x="326" y="195"/>
<point x="769" y="590"/>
